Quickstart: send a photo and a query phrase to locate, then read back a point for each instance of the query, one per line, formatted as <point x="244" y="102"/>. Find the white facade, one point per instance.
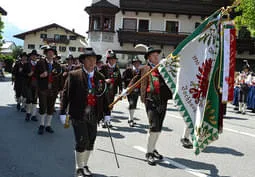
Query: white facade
<point x="7" y="47"/>
<point x="157" y="22"/>
<point x="34" y="40"/>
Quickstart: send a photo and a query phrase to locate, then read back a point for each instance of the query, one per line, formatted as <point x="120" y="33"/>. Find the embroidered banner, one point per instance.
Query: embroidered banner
<point x="192" y="73"/>
<point x="228" y="61"/>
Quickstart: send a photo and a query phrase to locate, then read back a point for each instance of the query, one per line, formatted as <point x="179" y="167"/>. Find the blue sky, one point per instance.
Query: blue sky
<point x="27" y="15"/>
<point x="8" y="32"/>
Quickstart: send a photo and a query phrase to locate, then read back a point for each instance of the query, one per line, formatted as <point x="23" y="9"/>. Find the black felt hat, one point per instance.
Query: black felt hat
<point x="47" y="48"/>
<point x="151" y="50"/>
<point x="89" y="52"/>
<point x="34" y="52"/>
<point x="135" y="59"/>
<point x="111" y="55"/>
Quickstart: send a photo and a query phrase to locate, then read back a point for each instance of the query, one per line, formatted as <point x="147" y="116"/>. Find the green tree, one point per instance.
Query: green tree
<point x="1" y="28"/>
<point x="16" y="52"/>
<point x="248" y="16"/>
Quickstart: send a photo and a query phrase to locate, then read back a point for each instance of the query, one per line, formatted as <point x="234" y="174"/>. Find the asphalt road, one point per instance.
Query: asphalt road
<point x="23" y="153"/>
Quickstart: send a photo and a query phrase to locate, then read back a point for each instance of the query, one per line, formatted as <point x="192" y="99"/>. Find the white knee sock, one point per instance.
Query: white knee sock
<point x="79" y="159"/>
<point x="29" y="108"/>
<point x="152" y="138"/>
<point x="42" y="116"/>
<point x="48" y="120"/>
<point x="156" y="140"/>
<point x="186" y="132"/>
<point x="131" y="114"/>
<point x="34" y="109"/>
<point x="23" y="102"/>
<point x="240" y="106"/>
<point x="244" y="108"/>
<point x="86" y="157"/>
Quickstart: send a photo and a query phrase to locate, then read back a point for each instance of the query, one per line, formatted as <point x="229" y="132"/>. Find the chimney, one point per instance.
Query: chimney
<point x="73" y="30"/>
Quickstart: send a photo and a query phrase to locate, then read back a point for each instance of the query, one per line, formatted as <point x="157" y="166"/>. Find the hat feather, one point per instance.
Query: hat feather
<point x="142" y="45"/>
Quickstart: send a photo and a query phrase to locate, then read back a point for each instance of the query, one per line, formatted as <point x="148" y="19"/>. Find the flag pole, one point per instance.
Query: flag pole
<point x="132" y="87"/>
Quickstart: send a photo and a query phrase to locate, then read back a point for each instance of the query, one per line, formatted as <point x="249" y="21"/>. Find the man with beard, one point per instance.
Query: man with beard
<point x="49" y="75"/>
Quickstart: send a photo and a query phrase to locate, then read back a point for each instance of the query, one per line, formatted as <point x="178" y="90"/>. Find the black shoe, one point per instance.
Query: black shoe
<point x="109" y="124"/>
<point x="243" y="113"/>
<point x="49" y="129"/>
<point x="186" y="143"/>
<point x="150" y="159"/>
<point x="33" y="118"/>
<point x="80" y="172"/>
<point x="87" y="172"/>
<point x="253" y="111"/>
<point x="131" y="123"/>
<point x="18" y="107"/>
<point x="27" y="117"/>
<point x="104" y="125"/>
<point x="41" y="130"/>
<point x="23" y="110"/>
<point x="236" y="108"/>
<point x="239" y="112"/>
<point x="157" y="155"/>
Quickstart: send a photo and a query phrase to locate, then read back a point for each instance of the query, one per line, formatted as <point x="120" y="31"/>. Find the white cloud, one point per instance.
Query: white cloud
<point x="31" y="14"/>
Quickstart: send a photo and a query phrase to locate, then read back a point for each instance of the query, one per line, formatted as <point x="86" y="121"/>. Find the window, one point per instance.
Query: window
<point x="31" y="46"/>
<point x="96" y="23"/>
<point x="172" y="26"/>
<point x="81" y="49"/>
<point x="56" y="36"/>
<point x="197" y="24"/>
<point x="107" y="24"/>
<point x="72" y="37"/>
<point x="72" y="49"/>
<point x="63" y="37"/>
<point x="43" y="35"/>
<point x="62" y="48"/>
<point x="143" y="26"/>
<point x="129" y="24"/>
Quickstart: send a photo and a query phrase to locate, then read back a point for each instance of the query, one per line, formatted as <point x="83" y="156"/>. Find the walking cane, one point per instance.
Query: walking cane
<point x="117" y="162"/>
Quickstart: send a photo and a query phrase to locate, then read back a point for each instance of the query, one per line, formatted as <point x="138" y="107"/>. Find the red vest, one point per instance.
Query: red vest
<point x="154" y="85"/>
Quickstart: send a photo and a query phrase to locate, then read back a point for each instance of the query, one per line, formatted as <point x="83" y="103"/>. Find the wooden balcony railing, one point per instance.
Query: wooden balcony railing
<point x="152" y="37"/>
<point x="54" y="40"/>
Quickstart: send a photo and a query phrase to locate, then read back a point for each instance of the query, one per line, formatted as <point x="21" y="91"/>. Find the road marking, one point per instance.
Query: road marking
<point x="239" y="132"/>
<point x="227" y="129"/>
<point x="176" y="164"/>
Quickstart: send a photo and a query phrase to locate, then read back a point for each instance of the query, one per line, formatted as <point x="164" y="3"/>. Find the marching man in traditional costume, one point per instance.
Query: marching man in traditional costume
<point x="49" y="75"/>
<point x="31" y="88"/>
<point x="128" y="75"/>
<point x="112" y="75"/>
<point x="244" y="81"/>
<point x="19" y="77"/>
<point x="154" y="94"/>
<point x="84" y="99"/>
